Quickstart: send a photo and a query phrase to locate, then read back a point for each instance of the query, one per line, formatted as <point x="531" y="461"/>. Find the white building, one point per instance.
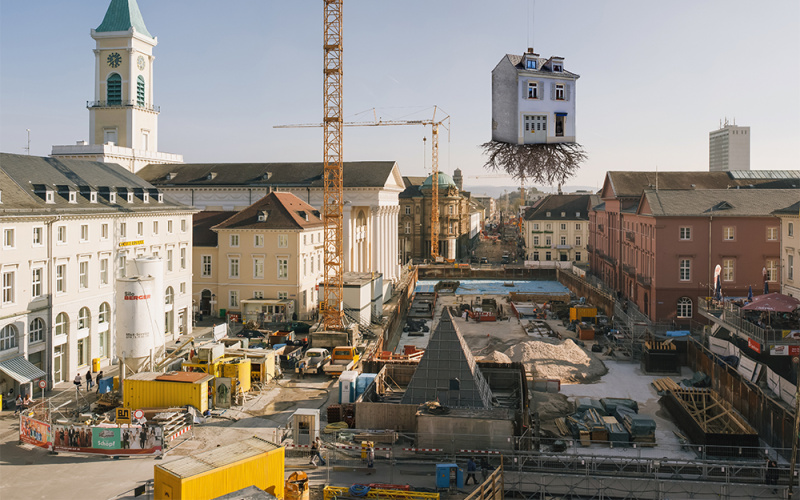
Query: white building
<point x="533" y="100"/>
<point x="790" y="250"/>
<point x="371" y="192"/>
<point x="70" y="228"/>
<point x="729" y="148"/>
<point x="557" y="228"/>
<point x="123" y="120"/>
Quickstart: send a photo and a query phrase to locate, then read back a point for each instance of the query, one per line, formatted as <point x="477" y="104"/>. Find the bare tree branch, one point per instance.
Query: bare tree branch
<point x="539" y="163"/>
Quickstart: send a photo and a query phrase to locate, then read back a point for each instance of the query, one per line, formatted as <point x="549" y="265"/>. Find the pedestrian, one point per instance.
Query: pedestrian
<point x="316" y="445"/>
<point x="370" y="455"/>
<point x="78" y="382"/>
<point x="485" y="468"/>
<point x="18" y="405"/>
<point x="99" y="377"/>
<point x="302" y="369"/>
<point x="772" y="475"/>
<point x="89" y="382"/>
<point x="471" y="468"/>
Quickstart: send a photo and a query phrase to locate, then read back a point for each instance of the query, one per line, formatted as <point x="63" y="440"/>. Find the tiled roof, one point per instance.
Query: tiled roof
<point x="356" y="174"/>
<point x="413" y="185"/>
<point x="793" y="209"/>
<point x="631" y="184"/>
<point x="516" y="61"/>
<point x="123" y="15"/>
<point x="282" y="210"/>
<point x="570" y="204"/>
<point x="719" y="202"/>
<point x="25" y="180"/>
<point x="202" y="235"/>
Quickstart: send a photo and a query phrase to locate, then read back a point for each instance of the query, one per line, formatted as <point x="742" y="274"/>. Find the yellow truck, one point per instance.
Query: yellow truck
<point x="344" y="358"/>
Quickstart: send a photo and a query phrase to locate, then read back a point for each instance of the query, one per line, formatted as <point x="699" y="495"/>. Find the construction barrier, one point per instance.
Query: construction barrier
<point x="335" y="492"/>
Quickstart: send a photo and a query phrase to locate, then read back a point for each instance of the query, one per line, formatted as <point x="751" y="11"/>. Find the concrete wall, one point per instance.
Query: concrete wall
<point x="386" y="416"/>
<point x="453" y="433"/>
<point x="581" y="288"/>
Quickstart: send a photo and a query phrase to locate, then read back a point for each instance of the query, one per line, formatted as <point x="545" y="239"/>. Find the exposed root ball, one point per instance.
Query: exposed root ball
<point x="539" y="163"/>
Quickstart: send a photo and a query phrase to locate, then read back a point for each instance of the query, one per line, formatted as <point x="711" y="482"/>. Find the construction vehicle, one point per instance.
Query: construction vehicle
<point x="344" y="358"/>
<point x="314" y="361"/>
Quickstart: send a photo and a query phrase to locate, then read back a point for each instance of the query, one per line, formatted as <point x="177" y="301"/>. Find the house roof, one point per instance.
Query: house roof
<point x="793" y="209"/>
<point x="25" y="179"/>
<point x="282" y="210"/>
<point x="356" y="174"/>
<point x="413" y="185"/>
<point x="202" y="222"/>
<point x="569" y="204"/>
<point x="123" y="15"/>
<point x="718" y="202"/>
<point x="541" y="67"/>
<point x="628" y="184"/>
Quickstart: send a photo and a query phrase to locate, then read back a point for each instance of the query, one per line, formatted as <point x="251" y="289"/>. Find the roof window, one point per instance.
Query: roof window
<point x="211" y="176"/>
<point x="262" y="216"/>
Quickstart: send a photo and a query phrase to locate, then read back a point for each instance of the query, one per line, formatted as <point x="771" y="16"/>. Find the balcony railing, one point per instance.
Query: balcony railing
<point x="629" y="269"/>
<point x="123" y="104"/>
<point x="644" y="280"/>
<point x="731" y="317"/>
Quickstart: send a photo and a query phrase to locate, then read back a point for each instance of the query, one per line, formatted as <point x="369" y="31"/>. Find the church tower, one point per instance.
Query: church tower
<point x="123" y="121"/>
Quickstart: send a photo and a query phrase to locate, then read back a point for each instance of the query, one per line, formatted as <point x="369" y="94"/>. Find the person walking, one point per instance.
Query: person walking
<point x="99" y="377"/>
<point x="315" y="452"/>
<point x="370" y="455"/>
<point x="772" y="475"/>
<point x="471" y="468"/>
<point x="18" y="405"/>
<point x="78" y="382"/>
<point x="485" y="468"/>
<point x="89" y="381"/>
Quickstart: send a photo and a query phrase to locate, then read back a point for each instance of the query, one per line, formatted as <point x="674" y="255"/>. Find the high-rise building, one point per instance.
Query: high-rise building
<point x="729" y="148"/>
<point x="123" y="121"/>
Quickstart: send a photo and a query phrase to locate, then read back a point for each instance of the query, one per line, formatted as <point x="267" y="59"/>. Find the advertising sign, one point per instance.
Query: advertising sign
<point x="34" y="432"/>
<point x="752" y="344"/>
<point x="784" y="350"/>
<point x="222" y="391"/>
<point x="108" y="440"/>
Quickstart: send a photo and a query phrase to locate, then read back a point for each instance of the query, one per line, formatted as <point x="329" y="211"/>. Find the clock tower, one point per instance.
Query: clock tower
<point x="123" y="119"/>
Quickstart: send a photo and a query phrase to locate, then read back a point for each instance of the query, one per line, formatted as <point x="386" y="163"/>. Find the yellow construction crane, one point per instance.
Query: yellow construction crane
<point x="435" y="124"/>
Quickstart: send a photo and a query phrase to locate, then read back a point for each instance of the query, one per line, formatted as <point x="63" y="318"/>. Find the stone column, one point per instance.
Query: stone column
<point x="374" y="239"/>
<point x="347" y="237"/>
<point x="396" y="233"/>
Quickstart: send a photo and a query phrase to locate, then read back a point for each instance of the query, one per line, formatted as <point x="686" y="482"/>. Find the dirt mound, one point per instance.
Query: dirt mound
<point x="497" y="357"/>
<point x="551" y="405"/>
<point x="554" y="359"/>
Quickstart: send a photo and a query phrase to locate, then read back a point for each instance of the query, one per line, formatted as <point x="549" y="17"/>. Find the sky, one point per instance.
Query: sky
<point x="656" y="77"/>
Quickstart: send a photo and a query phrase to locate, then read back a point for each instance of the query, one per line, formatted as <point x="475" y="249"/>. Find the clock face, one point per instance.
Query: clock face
<point x="140" y="63"/>
<point x="114" y="59"/>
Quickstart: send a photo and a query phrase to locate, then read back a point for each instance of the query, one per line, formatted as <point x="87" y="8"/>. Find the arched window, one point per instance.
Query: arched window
<point x="105" y="313"/>
<point x="684" y="307"/>
<point x="169" y="296"/>
<point x="8" y="337"/>
<point x="140" y="91"/>
<point x="62" y="324"/>
<point x="84" y="318"/>
<point x="37" y="330"/>
<point x="114" y="90"/>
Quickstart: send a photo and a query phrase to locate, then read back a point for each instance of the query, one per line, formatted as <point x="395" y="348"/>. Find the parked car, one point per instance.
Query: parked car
<point x="251" y="334"/>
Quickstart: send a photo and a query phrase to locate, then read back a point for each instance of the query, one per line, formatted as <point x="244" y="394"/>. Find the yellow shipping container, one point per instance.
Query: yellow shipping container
<point x="579" y="313"/>
<point x="239" y="370"/>
<point x="223" y="470"/>
<point x="160" y="390"/>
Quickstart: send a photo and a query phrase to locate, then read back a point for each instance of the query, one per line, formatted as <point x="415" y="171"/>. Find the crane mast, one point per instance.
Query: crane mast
<point x="435" y="191"/>
<point x="332" y="303"/>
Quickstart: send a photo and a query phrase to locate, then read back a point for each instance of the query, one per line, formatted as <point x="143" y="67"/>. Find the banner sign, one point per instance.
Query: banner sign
<point x="108" y="440"/>
<point x="131" y="243"/>
<point x="752" y="344"/>
<point x="34" y="432"/>
<point x="785" y="350"/>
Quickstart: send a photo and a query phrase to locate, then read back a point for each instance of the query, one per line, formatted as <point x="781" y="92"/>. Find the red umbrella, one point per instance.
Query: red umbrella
<point x="773" y="302"/>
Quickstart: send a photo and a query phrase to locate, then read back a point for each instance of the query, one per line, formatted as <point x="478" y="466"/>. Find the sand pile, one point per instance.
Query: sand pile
<point x="497" y="357"/>
<point x="551" y="405"/>
<point x="554" y="359"/>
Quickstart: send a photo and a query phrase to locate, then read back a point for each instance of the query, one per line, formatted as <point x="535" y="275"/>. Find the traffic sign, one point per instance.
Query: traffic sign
<point x="138" y="414"/>
<point x="42" y="384"/>
<point x="123" y="416"/>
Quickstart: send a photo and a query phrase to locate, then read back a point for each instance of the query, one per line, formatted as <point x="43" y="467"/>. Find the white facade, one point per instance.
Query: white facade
<point x="533" y="100"/>
<point x="63" y="290"/>
<point x="729" y="148"/>
<point x="790" y="253"/>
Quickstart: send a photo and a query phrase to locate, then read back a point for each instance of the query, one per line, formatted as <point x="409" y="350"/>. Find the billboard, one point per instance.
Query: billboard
<point x="108" y="440"/>
<point x="34" y="432"/>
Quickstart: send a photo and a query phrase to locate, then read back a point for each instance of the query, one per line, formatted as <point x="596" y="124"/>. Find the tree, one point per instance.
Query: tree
<point x="539" y="163"/>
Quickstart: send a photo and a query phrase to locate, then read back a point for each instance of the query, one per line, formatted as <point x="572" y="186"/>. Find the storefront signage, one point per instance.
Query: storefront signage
<point x="131" y="243"/>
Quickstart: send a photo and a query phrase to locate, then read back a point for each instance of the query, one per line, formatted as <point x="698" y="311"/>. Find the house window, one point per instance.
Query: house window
<point x="283" y="241"/>
<point x="123" y="265"/>
<point x="685" y="233"/>
<point x="535" y="255"/>
<point x="234" y="240"/>
<point x="547" y="256"/>
<point x="104" y="231"/>
<point x="577" y="241"/>
<point x="83" y="275"/>
<point x="685" y="270"/>
<point x="205" y="270"/>
<point x="684" y="307"/>
<point x="169" y="227"/>
<point x="183" y="225"/>
<point x="727" y="270"/>
<point x="283" y="295"/>
<point x="450" y="209"/>
<point x="772" y="233"/>
<point x="84" y="318"/>
<point x="258" y="294"/>
<point x="561" y="121"/>
<point x="114" y="90"/>
<point x="37" y="236"/>
<point x="536" y="241"/>
<point x="563" y="240"/>
<point x="61" y="278"/>
<point x="557" y="68"/>
<point x="169" y="296"/>
<point x="772" y="270"/>
<point x="563" y="226"/>
<point x="559" y="92"/>
<point x="536" y="227"/>
<point x="533" y="90"/>
<point x="728" y="233"/>
<point x="8" y="238"/>
<point x="790" y="229"/>
<point x="105" y="314"/>
<point x="37" y="330"/>
<point x="36" y="283"/>
<point x="155" y="227"/>
<point x="530" y="64"/>
<point x="258" y="240"/>
<point x="577" y="226"/>
<point x="233" y="298"/>
<point x="8" y="337"/>
<point x="408" y="228"/>
<point x="258" y="267"/>
<point x="61" y="234"/>
<point x="233" y="267"/>
<point x="8" y="287"/>
<point x="104" y="271"/>
<point x="563" y="214"/>
<point x="312" y="264"/>
<point x="140" y="228"/>
<point x="123" y="230"/>
<point x="84" y="233"/>
<point x="183" y="258"/>
<point x="62" y="324"/>
<point x="408" y="210"/>
<point x="790" y="267"/>
<point x="283" y="269"/>
<point x="577" y="256"/>
<point x="169" y="260"/>
<point x="140" y="91"/>
<point x="548" y="241"/>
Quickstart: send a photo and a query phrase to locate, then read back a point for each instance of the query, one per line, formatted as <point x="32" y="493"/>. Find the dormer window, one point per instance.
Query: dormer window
<point x="130" y="197"/>
<point x="93" y="196"/>
<point x="73" y="198"/>
<point x="171" y="175"/>
<point x="211" y="176"/>
<point x="548" y="214"/>
<point x="530" y="64"/>
<point x="49" y="196"/>
<point x="262" y="216"/>
<point x="563" y="214"/>
<point x="146" y="197"/>
<point x="557" y="68"/>
<point x="161" y="197"/>
<point x="112" y="197"/>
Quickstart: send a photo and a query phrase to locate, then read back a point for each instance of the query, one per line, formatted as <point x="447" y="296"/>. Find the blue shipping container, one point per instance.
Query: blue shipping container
<point x="363" y="381"/>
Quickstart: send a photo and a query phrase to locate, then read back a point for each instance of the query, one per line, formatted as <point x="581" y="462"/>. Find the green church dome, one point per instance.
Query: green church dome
<point x="445" y="181"/>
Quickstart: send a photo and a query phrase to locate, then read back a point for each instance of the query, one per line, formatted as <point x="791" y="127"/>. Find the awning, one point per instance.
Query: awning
<point x="21" y="370"/>
<point x="560" y="114"/>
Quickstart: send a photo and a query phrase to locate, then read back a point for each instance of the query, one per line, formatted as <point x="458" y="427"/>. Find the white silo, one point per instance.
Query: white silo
<point x="135" y="307"/>
<point x="154" y="267"/>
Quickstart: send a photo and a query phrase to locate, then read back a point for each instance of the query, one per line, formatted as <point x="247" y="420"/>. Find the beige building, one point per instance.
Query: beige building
<point x="265" y="259"/>
<point x="790" y="251"/>
<point x="123" y="119"/>
<point x="65" y="241"/>
<point x="557" y="228"/>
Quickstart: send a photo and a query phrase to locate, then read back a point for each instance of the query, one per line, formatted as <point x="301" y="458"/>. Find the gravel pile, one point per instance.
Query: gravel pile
<point x="497" y="357"/>
<point x="554" y="359"/>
